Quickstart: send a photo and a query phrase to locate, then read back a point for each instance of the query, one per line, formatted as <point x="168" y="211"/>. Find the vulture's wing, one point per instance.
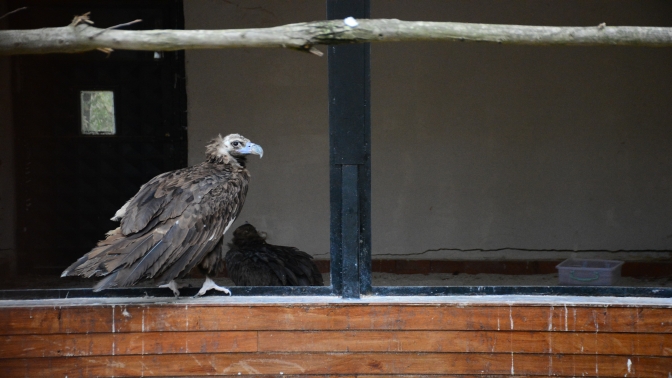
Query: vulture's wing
<point x="271" y="265"/>
<point x="168" y="227"/>
<point x="300" y="263"/>
<point x="167" y="196"/>
<point x="250" y="267"/>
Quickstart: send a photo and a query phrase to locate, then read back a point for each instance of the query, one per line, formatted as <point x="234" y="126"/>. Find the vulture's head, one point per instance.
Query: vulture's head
<point x="248" y="234"/>
<point x="233" y="148"/>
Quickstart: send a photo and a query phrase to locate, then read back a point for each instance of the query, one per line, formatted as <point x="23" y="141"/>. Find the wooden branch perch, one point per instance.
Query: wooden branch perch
<point x="303" y="36"/>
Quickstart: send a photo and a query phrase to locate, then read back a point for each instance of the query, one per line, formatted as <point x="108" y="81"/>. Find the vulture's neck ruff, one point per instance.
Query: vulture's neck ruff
<point x="248" y="240"/>
<point x="231" y="150"/>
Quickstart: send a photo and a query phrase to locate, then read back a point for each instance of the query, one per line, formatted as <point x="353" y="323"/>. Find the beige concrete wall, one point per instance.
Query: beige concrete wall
<point x="474" y="145"/>
<point x="278" y="99"/>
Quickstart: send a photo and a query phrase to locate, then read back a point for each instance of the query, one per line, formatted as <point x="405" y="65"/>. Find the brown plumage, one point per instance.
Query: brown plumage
<point x="251" y="261"/>
<point x="175" y="221"/>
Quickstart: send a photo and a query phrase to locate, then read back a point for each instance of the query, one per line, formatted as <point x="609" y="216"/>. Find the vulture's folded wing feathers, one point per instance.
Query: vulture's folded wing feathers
<point x="167" y="196"/>
<point x="284" y="273"/>
<point x="174" y="247"/>
<point x="251" y="270"/>
<point x="301" y="264"/>
<point x="205" y="232"/>
<point x="251" y="261"/>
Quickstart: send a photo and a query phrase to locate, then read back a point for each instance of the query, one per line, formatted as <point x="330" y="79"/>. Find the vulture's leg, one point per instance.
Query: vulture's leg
<point x="210" y="284"/>
<point x="172" y="286"/>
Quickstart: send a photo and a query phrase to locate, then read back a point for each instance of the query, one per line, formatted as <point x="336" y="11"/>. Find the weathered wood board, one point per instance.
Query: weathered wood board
<point x="343" y="339"/>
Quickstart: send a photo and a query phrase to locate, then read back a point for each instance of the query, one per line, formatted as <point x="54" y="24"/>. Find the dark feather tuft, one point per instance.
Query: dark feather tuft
<point x="251" y="261"/>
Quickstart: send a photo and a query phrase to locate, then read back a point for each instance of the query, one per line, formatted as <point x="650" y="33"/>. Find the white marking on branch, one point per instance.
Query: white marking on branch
<point x="351" y="22"/>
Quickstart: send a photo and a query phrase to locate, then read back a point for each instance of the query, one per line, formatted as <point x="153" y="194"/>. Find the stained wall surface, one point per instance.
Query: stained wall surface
<point x="475" y="146"/>
<point x="278" y="99"/>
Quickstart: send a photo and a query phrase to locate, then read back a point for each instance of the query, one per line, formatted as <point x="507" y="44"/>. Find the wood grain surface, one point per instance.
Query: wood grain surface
<point x="339" y="340"/>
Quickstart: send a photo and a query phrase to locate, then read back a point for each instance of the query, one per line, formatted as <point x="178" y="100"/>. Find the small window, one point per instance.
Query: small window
<point x="97" y="112"/>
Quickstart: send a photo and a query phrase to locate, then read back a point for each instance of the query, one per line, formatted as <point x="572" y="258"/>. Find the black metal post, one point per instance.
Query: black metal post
<point x="350" y="157"/>
<point x="350" y="230"/>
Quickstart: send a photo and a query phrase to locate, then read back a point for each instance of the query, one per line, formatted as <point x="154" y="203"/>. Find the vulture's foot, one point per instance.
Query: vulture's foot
<point x="172" y="286"/>
<point x="210" y="284"/>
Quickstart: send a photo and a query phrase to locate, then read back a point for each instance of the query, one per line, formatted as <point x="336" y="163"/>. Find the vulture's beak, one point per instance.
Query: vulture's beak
<point x="252" y="148"/>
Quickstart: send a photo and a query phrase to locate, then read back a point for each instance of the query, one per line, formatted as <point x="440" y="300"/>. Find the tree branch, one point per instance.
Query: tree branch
<point x="303" y="36"/>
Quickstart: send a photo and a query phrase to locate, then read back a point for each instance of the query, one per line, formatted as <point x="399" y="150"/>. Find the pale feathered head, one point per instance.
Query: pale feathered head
<point x="231" y="149"/>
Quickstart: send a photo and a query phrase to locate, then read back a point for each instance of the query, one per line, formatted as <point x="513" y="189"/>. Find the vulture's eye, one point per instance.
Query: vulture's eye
<point x="235" y="144"/>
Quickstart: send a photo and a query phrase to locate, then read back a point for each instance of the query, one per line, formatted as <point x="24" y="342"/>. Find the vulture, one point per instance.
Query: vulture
<point x="175" y="222"/>
<point x="251" y="261"/>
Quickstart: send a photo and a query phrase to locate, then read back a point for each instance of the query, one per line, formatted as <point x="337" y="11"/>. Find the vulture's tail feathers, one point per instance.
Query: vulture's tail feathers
<point x="129" y="259"/>
<point x="127" y="277"/>
<point x="306" y="270"/>
<point x="177" y="266"/>
<point x="186" y="261"/>
<point x="75" y="265"/>
<point x="293" y="279"/>
<point x="285" y="275"/>
<point x="191" y="232"/>
<point x="126" y="253"/>
<point x="175" y="239"/>
<point x="305" y="267"/>
<point x="196" y="258"/>
<point x="130" y="276"/>
<point x="132" y="250"/>
<point x="111" y="236"/>
<point x="279" y="271"/>
<point x="149" y="228"/>
<point x="88" y="265"/>
<point x="106" y="282"/>
<point x="172" y="258"/>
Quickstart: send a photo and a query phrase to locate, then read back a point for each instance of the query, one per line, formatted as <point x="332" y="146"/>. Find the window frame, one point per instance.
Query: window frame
<point x="350" y="203"/>
<point x="115" y="117"/>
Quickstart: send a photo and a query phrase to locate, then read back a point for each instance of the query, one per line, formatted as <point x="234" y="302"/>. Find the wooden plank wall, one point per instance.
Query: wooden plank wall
<point x="348" y="340"/>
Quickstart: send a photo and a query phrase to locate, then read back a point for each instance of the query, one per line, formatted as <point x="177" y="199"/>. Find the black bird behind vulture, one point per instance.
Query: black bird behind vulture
<point x="251" y="261"/>
<point x="176" y="221"/>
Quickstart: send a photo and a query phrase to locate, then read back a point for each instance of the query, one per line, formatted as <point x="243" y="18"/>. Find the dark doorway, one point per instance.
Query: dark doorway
<point x="71" y="179"/>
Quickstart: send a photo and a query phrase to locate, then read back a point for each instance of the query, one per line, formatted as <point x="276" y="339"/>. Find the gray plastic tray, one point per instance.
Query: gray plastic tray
<point x="589" y="272"/>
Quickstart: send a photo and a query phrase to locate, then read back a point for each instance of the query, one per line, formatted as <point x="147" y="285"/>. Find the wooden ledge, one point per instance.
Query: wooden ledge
<point x="328" y="336"/>
<point x="316" y="301"/>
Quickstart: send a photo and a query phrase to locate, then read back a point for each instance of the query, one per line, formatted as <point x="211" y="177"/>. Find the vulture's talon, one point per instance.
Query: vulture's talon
<point x="172" y="286"/>
<point x="210" y="284"/>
